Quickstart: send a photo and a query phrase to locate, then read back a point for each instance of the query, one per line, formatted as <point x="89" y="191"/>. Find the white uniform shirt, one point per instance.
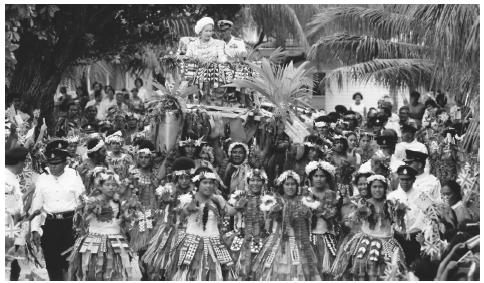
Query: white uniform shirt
<point x="235" y="46"/>
<point x="425" y="192"/>
<point x="56" y="194"/>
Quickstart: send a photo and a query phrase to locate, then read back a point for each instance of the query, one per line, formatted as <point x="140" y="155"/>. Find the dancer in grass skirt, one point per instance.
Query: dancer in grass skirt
<point x="199" y="254"/>
<point x="374" y="254"/>
<point x="322" y="200"/>
<point x="286" y="253"/>
<point x="101" y="251"/>
<point x="172" y="196"/>
<point x="245" y="241"/>
<point x="143" y="184"/>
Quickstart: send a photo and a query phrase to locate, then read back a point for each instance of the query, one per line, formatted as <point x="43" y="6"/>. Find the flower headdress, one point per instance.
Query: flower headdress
<point x="103" y="174"/>
<point x="320" y="124"/>
<point x="116" y="137"/>
<point x="288" y="174"/>
<point x="183" y="172"/>
<point x="98" y="146"/>
<point x="190" y="141"/>
<point x="256" y="172"/>
<point x="144" y="151"/>
<point x="234" y="144"/>
<point x="72" y="139"/>
<point x="377" y="178"/>
<point x="205" y="175"/>
<point x="323" y="165"/>
<point x="208" y="150"/>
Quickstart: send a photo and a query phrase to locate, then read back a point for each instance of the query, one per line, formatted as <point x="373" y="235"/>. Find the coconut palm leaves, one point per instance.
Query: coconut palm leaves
<point x="442" y="39"/>
<point x="283" y="86"/>
<point x="179" y="89"/>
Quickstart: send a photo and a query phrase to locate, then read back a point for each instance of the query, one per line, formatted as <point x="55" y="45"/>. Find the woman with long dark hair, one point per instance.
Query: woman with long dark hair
<point x="287" y="253"/>
<point x="199" y="254"/>
<point x="368" y="255"/>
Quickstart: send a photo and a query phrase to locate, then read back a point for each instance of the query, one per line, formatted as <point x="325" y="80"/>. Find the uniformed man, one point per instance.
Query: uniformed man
<point x="424" y="181"/>
<point x="57" y="195"/>
<point x="407" y="194"/>
<point x="234" y="46"/>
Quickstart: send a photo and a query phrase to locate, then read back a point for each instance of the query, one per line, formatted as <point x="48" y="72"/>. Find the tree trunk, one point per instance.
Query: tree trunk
<point x="38" y="73"/>
<point x="394" y="96"/>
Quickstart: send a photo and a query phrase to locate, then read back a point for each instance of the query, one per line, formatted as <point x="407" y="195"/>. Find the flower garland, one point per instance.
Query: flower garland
<point x="320" y="124"/>
<point x="98" y="146"/>
<point x="311" y="202"/>
<point x="205" y="175"/>
<point x="185" y="199"/>
<point x="256" y="172"/>
<point x="116" y="137"/>
<point x="235" y="196"/>
<point x="166" y="189"/>
<point x="288" y="174"/>
<point x="376" y="178"/>
<point x="189" y="141"/>
<point x="146" y="151"/>
<point x="267" y="203"/>
<point x="323" y="165"/>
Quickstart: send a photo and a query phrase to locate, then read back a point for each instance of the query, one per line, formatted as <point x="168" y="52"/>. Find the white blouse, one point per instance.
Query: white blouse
<point x="195" y="224"/>
<point x="213" y="50"/>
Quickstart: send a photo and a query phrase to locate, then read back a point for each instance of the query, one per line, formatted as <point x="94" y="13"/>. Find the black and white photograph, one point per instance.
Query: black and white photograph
<point x="242" y="142"/>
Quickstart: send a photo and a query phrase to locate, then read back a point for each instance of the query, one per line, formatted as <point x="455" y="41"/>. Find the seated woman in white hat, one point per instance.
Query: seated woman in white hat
<point x="205" y="47"/>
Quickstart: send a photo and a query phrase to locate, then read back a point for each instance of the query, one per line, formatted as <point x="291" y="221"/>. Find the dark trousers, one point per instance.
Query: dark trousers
<point x="411" y="247"/>
<point x="58" y="236"/>
<point x="14" y="271"/>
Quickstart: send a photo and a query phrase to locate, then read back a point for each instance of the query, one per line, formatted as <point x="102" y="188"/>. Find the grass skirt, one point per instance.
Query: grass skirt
<point x="325" y="247"/>
<point x="366" y="257"/>
<point x="97" y="257"/>
<point x="141" y="231"/>
<point x="161" y="245"/>
<point x="196" y="258"/>
<point x="243" y="251"/>
<point x="281" y="260"/>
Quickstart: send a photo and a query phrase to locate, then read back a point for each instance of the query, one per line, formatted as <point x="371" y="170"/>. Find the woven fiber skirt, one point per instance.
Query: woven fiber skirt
<point x="243" y="250"/>
<point x="159" y="250"/>
<point x="286" y="260"/>
<point x="369" y="258"/>
<point x="325" y="247"/>
<point x="142" y="229"/>
<point x="97" y="257"/>
<point x="196" y="258"/>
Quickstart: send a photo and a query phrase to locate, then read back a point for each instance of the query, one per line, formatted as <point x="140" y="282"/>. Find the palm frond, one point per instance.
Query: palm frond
<point x="278" y="56"/>
<point x="360" y="21"/>
<point x="283" y="86"/>
<point x="279" y="20"/>
<point x="352" y="49"/>
<point x="385" y="71"/>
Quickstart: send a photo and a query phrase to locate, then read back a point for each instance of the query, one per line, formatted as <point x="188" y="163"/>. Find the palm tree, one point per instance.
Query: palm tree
<point x="431" y="46"/>
<point x="283" y="86"/>
<point x="414" y="45"/>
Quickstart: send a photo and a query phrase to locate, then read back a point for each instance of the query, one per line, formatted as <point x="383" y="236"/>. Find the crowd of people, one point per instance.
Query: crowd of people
<point x="368" y="195"/>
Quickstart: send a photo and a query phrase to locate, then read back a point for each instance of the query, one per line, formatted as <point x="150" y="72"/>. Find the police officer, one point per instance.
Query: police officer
<point x="57" y="195"/>
<point x="425" y="182"/>
<point x="406" y="193"/>
<point x="234" y="46"/>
